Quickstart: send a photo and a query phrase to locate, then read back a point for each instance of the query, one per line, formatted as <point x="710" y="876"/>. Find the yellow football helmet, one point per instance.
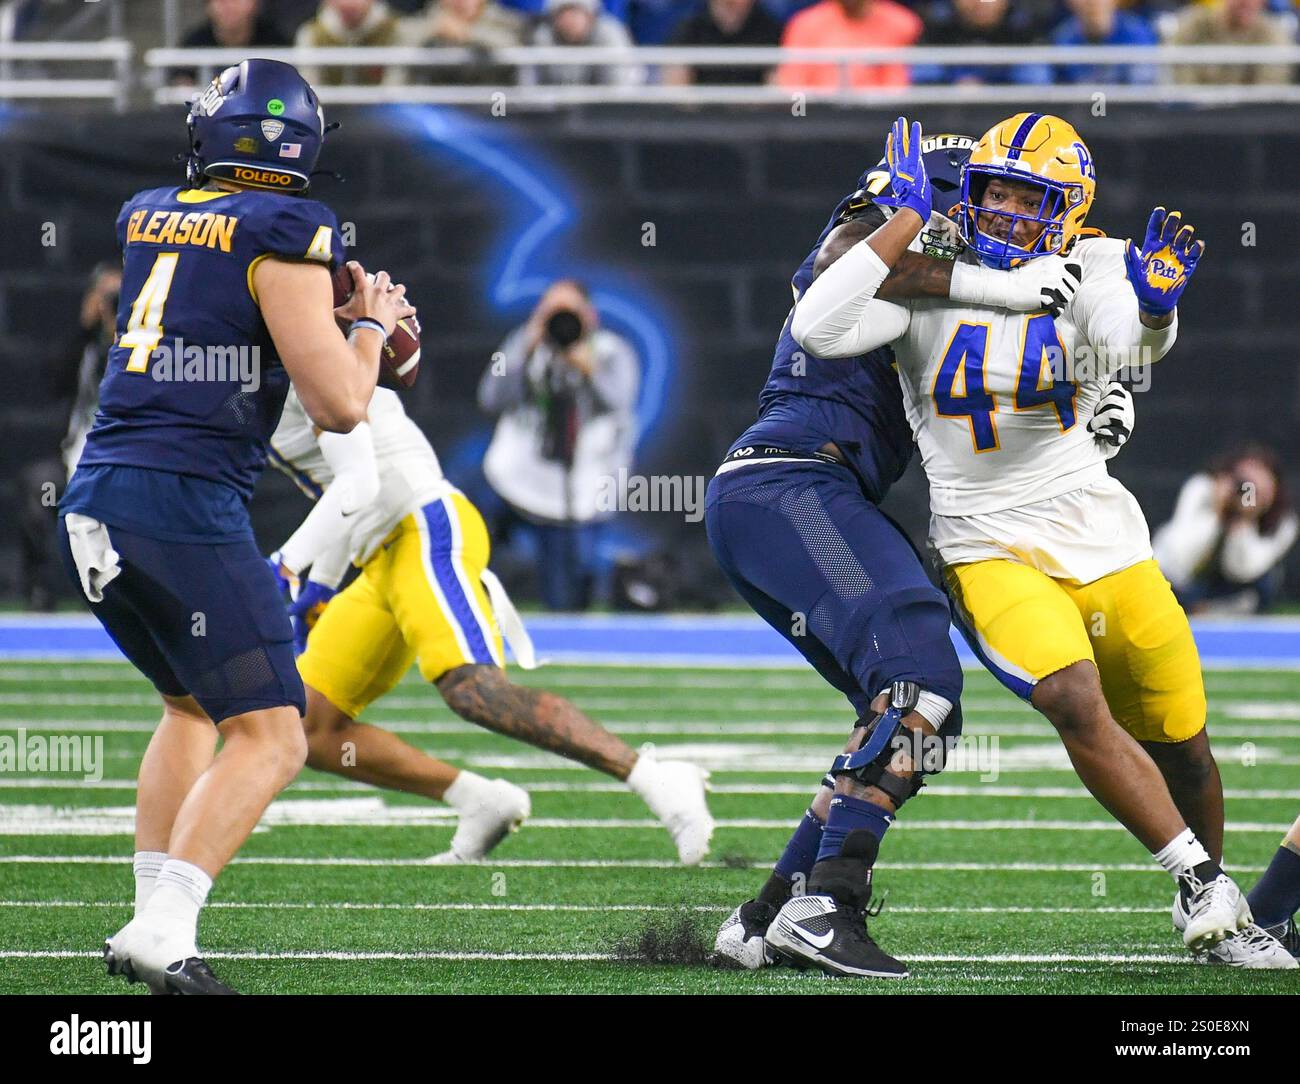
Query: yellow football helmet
<point x="1033" y="148"/>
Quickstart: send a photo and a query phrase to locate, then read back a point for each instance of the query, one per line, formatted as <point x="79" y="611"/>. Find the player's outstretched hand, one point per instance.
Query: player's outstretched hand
<point x="1046" y="284"/>
<point x="375" y="297"/>
<point x="1112" y="422"/>
<point x="909" y="184"/>
<point x="306" y="611"/>
<point x="1159" y="270"/>
<point x="285" y="581"/>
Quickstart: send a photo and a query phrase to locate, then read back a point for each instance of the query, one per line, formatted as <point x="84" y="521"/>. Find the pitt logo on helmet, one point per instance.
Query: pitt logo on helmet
<point x="1036" y="150"/>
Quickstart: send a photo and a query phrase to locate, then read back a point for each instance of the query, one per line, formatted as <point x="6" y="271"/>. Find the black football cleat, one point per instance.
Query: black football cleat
<point x="827" y="928"/>
<point x="193" y="977"/>
<point x="816" y="931"/>
<point x="1288" y="934"/>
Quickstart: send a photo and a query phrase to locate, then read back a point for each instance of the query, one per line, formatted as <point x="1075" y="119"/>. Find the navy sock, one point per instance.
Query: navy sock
<point x="801" y="852"/>
<point x="1277" y="895"/>
<point x="847" y="814"/>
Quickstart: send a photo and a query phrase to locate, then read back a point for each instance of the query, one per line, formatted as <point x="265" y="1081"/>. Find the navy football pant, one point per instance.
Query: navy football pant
<point x="199" y="619"/>
<point x="835" y="576"/>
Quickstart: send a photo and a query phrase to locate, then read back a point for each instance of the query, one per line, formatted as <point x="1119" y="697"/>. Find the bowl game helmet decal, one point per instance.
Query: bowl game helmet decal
<point x="1029" y="148"/>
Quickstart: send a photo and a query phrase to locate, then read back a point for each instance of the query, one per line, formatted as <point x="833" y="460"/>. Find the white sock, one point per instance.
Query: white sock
<point x="642" y="774"/>
<point x="179" y="893"/>
<point x="466" y="790"/>
<point x="147" y="866"/>
<point x="1182" y="853"/>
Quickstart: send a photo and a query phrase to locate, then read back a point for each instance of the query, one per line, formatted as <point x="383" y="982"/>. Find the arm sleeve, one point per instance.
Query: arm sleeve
<point x="351" y="457"/>
<point x="1247" y="554"/>
<point x="838" y="316"/>
<point x="1106" y="311"/>
<point x="1187" y="541"/>
<point x="617" y="375"/>
<point x="503" y="385"/>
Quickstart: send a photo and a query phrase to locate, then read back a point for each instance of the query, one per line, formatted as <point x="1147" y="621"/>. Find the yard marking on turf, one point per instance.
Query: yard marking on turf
<point x="620" y="863"/>
<point x="581" y="908"/>
<point x="343" y="786"/>
<point x="575" y="957"/>
<point x="374" y="813"/>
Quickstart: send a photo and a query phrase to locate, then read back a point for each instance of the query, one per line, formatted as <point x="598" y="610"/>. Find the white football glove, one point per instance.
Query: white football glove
<point x="1043" y="285"/>
<point x="1111" y="423"/>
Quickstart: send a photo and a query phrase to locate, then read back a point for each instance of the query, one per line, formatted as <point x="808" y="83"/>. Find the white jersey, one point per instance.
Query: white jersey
<point x="410" y="475"/>
<point x="1004" y="438"/>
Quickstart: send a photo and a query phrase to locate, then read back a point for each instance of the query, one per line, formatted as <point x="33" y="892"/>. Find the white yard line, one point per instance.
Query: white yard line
<point x="581" y="908"/>
<point x="620" y="863"/>
<point x="584" y="957"/>
<point x="343" y="786"/>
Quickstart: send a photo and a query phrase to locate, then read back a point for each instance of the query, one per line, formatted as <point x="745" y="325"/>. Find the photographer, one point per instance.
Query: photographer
<point x="563" y="390"/>
<point x="72" y="375"/>
<point x="1232" y="525"/>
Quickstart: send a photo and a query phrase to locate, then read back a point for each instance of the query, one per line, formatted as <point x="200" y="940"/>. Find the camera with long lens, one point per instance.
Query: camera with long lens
<point x="564" y="328"/>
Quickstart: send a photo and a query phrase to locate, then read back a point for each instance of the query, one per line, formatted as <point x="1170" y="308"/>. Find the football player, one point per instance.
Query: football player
<point x="1047" y="558"/>
<point x="225" y="296"/>
<point x="793" y="520"/>
<point x="424" y="593"/>
<point x="1276" y="897"/>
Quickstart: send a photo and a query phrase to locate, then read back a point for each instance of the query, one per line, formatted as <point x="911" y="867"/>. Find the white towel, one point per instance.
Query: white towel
<point x="512" y="625"/>
<point x="93" y="554"/>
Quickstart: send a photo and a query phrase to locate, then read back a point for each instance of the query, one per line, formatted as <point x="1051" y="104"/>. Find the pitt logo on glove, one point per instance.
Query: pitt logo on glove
<point x="1159" y="271"/>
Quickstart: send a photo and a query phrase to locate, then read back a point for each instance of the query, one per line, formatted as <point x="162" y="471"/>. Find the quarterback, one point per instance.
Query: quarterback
<point x="154" y="524"/>
<point x="1047" y="558"/>
<point x="424" y="593"/>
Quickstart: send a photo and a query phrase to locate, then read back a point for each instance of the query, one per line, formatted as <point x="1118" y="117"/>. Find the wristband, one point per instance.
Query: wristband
<point x="366" y="321"/>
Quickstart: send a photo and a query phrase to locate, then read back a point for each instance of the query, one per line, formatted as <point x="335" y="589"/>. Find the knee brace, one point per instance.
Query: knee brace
<point x="869" y="765"/>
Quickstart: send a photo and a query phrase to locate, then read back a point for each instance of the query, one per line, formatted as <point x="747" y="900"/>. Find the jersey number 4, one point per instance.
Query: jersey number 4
<point x="144" y="330"/>
<point x="959" y="390"/>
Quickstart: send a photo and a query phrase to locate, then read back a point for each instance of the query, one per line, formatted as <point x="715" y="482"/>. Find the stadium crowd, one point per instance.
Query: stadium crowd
<point x="483" y="25"/>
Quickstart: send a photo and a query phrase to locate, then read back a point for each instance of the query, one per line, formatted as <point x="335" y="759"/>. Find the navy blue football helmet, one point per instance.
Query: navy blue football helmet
<point x="259" y="124"/>
<point x="944" y="155"/>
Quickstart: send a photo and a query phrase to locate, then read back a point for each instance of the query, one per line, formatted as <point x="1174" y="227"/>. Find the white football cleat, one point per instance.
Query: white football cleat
<point x="143" y="950"/>
<point x="1217" y="909"/>
<point x="742" y="939"/>
<point x="674" y="791"/>
<point x="499" y="809"/>
<point x="1251" y="948"/>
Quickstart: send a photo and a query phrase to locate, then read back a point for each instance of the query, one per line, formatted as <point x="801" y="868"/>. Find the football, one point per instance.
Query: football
<point x="401" y="351"/>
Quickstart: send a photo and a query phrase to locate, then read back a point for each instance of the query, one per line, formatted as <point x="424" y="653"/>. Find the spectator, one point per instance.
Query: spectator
<point x="231" y="24"/>
<point x="563" y="390"/>
<point x="1099" y="22"/>
<point x="351" y="23"/>
<point x="1232" y="526"/>
<point x="476" y="24"/>
<point x="981" y="22"/>
<point x="725" y="22"/>
<point x="1231" y="22"/>
<point x="582" y="22"/>
<point x="849" y="24"/>
<point x="75" y="374"/>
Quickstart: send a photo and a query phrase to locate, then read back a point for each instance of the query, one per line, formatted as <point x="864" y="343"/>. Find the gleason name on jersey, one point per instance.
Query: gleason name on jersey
<point x="206" y="229"/>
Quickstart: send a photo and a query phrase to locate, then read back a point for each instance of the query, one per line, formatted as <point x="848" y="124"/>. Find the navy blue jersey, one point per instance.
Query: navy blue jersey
<point x="193" y="386"/>
<point x="855" y="402"/>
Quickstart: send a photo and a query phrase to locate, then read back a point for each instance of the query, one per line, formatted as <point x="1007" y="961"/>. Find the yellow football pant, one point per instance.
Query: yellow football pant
<point x="1025" y="625"/>
<point x="419" y="597"/>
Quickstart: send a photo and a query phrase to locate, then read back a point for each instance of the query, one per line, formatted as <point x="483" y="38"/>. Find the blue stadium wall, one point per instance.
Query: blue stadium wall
<point x="477" y="213"/>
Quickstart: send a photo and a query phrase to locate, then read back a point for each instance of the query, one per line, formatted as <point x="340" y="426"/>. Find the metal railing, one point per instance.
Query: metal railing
<point x="533" y="90"/>
<point x="23" y="74"/>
